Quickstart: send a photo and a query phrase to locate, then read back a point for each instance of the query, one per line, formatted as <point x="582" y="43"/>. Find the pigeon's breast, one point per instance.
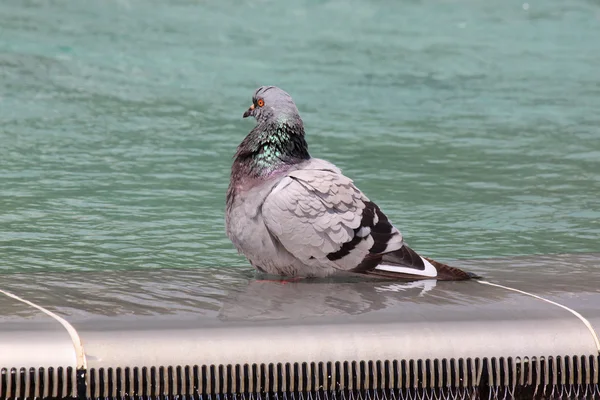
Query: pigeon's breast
<point x="244" y="223"/>
<point x="249" y="234"/>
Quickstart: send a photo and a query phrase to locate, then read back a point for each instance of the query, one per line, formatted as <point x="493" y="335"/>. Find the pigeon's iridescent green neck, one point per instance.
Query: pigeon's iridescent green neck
<point x="271" y="146"/>
<point x="279" y="144"/>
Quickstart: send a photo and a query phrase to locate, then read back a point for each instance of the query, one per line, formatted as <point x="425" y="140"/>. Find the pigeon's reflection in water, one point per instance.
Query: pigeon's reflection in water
<point x="229" y="293"/>
<point x="264" y="299"/>
<point x="424" y="285"/>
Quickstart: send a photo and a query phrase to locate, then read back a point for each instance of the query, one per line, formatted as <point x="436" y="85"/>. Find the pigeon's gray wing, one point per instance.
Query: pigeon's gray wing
<point x="321" y="217"/>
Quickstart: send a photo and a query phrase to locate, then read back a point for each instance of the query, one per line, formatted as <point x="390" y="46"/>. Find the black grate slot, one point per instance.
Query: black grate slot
<point x="196" y="380"/>
<point x="138" y="377"/>
<point x="41" y="382"/>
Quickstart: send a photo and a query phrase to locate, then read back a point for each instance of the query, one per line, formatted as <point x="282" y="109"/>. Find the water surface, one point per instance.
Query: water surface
<point x="474" y="125"/>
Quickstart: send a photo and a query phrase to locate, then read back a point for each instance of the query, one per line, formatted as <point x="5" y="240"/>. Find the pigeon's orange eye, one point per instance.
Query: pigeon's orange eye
<point x="260" y="102"/>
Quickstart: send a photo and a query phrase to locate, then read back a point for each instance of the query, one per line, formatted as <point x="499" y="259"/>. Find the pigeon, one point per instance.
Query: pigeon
<point x="293" y="215"/>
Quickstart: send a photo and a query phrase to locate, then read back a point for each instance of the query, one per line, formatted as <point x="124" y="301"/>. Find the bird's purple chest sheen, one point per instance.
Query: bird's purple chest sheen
<point x="245" y="178"/>
<point x="245" y="188"/>
<point x="248" y="195"/>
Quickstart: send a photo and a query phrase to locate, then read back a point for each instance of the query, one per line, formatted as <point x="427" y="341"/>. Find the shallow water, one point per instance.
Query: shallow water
<point x="474" y="125"/>
<point x="234" y="294"/>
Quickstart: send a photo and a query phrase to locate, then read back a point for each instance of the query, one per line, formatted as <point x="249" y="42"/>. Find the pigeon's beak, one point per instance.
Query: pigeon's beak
<point x="249" y="111"/>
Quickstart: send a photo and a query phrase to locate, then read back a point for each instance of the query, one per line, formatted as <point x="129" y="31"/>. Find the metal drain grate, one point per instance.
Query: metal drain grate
<point x="30" y="383"/>
<point x="445" y="378"/>
<point x="436" y="379"/>
<point x="283" y="378"/>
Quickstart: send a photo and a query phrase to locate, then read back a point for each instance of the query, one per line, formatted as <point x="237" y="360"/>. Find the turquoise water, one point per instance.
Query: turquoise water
<point x="474" y="125"/>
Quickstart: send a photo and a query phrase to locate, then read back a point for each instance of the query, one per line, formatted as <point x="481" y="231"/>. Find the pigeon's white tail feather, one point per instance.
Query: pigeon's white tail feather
<point x="429" y="271"/>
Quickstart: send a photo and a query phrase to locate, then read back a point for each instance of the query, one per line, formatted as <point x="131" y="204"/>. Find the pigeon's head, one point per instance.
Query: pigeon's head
<point x="272" y="103"/>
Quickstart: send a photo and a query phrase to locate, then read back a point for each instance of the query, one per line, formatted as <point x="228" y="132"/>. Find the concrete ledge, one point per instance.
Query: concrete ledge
<point x="31" y="339"/>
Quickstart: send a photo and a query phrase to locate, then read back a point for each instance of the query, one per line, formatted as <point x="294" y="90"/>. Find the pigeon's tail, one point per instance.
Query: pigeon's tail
<point x="407" y="264"/>
<point x="448" y="273"/>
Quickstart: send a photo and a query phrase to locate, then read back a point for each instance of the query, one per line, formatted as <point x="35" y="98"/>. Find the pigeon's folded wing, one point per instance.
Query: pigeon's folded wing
<point x="320" y="216"/>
